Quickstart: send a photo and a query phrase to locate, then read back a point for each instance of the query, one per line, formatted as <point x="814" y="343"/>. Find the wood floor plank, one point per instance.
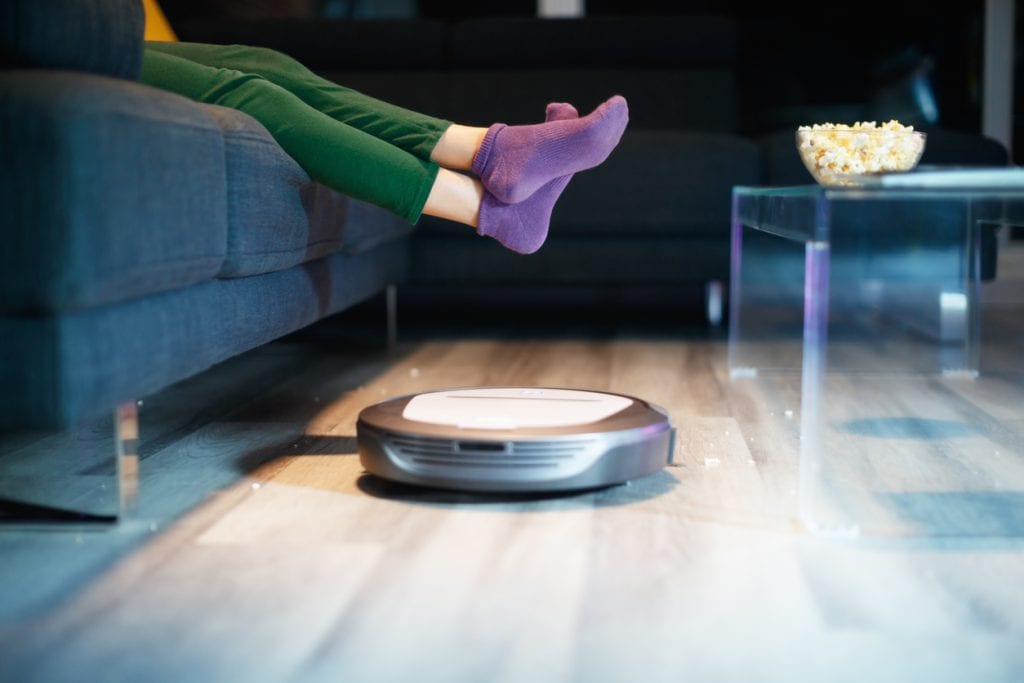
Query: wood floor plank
<point x="298" y="566"/>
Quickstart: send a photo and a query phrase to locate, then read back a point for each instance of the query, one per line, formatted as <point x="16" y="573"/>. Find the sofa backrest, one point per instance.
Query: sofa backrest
<point x="678" y="72"/>
<point x="98" y="36"/>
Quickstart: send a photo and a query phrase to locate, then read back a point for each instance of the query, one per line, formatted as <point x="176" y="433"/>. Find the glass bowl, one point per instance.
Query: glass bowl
<point x="838" y="155"/>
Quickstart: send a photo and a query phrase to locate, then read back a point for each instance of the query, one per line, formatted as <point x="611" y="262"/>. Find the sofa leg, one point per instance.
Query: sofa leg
<point x="69" y="465"/>
<point x="126" y="452"/>
<point x="391" y="297"/>
<point x="713" y="294"/>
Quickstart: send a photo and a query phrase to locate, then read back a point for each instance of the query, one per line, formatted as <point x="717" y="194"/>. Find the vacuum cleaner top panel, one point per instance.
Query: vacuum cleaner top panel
<point x="513" y="408"/>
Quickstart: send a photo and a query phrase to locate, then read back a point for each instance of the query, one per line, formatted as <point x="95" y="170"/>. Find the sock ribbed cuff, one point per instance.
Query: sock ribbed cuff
<point x="483" y="154"/>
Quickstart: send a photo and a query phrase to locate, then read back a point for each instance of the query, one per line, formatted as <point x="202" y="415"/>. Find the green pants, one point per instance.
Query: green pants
<point x="360" y="146"/>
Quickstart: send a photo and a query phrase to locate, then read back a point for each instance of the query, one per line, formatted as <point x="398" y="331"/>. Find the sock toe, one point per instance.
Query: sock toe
<point x="560" y="111"/>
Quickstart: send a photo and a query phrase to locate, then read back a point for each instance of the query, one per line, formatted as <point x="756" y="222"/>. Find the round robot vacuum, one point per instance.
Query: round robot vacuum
<point x="514" y="439"/>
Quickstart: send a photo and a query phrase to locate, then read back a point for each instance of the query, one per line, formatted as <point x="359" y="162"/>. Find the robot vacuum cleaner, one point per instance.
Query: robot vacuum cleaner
<point x="514" y="439"/>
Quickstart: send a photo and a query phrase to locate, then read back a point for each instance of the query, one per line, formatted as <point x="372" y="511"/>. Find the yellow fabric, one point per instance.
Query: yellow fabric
<point x="157" y="26"/>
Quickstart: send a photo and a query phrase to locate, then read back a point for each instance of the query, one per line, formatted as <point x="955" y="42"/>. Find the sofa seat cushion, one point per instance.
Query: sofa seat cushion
<point x="667" y="183"/>
<point x="277" y="216"/>
<point x="97" y="36"/>
<point x="604" y="260"/>
<point x="113" y="190"/>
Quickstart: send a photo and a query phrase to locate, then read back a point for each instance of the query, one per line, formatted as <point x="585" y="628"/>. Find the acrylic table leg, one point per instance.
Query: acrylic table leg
<point x="815" y="345"/>
<point x="972" y="291"/>
<point x="713" y="302"/>
<point x="735" y="291"/>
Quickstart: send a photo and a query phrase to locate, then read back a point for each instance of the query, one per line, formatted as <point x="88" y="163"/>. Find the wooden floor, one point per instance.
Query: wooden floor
<point x="262" y="552"/>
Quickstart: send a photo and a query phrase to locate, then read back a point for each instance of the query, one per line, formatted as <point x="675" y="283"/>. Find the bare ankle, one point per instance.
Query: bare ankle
<point x="455" y="197"/>
<point x="457" y="147"/>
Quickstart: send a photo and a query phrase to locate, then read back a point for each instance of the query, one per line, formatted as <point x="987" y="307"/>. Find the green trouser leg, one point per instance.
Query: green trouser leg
<point x="359" y="146"/>
<point x="414" y="132"/>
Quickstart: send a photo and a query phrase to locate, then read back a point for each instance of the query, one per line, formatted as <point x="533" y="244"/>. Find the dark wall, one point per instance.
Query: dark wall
<point x="794" y="56"/>
<point x="802" y="53"/>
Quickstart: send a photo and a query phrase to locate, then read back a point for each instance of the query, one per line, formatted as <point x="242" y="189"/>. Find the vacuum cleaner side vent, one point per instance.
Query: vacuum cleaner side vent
<point x="443" y="453"/>
<point x="413" y="446"/>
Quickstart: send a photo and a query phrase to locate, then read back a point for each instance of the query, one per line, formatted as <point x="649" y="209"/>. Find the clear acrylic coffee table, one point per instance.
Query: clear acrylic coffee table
<point x="869" y="299"/>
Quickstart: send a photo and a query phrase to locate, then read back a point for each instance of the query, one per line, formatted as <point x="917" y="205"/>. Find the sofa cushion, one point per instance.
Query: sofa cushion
<point x="114" y="190"/>
<point x="98" y="36"/>
<point x="626" y="41"/>
<point x="945" y="146"/>
<point x="670" y="183"/>
<point x="368" y="44"/>
<point x="676" y="71"/>
<point x="277" y="216"/>
<point x="603" y="260"/>
<point x="267" y="225"/>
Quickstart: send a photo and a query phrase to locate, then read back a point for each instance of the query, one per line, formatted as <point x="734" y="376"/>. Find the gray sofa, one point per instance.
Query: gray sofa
<point x="148" y="237"/>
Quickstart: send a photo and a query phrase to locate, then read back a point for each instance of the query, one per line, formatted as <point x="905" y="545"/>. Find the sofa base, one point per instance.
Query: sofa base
<point x="62" y="368"/>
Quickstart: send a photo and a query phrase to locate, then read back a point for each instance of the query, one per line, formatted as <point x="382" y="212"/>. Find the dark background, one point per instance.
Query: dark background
<point x="794" y="55"/>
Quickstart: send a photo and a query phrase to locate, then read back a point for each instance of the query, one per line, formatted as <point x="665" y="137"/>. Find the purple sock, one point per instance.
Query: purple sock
<point x="515" y="161"/>
<point x="560" y="111"/>
<point x="523" y="227"/>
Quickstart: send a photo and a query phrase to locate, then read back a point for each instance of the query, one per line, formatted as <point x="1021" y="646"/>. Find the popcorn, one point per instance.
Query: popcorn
<point x="834" y="152"/>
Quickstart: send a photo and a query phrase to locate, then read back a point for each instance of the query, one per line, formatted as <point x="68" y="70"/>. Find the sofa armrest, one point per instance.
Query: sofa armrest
<point x="115" y="190"/>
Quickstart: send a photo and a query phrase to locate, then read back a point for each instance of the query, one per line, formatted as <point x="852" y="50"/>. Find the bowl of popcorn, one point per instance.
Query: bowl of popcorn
<point x="838" y="154"/>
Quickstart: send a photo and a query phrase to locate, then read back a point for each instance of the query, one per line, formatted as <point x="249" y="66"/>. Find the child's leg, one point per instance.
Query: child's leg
<point x="521" y="227"/>
<point x="523" y="169"/>
<point x="412" y="131"/>
<point x="345" y="158"/>
<point x="512" y="161"/>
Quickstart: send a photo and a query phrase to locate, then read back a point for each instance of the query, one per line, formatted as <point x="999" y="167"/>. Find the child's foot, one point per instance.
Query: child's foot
<point x="523" y="227"/>
<point x="515" y="161"/>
